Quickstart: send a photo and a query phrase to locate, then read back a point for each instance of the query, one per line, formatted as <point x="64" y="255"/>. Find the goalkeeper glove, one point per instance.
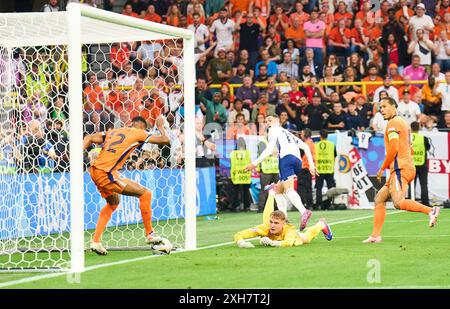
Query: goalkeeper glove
<point x="244" y="244"/>
<point x="266" y="241"/>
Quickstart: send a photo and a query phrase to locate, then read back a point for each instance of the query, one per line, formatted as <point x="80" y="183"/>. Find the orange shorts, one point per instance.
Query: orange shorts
<point x="399" y="180"/>
<point x="108" y="183"/>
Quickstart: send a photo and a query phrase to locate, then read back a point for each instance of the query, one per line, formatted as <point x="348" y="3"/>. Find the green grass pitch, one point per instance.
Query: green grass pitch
<point x="411" y="256"/>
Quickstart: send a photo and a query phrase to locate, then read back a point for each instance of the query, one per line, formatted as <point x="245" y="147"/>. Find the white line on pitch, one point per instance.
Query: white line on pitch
<point x="399" y="236"/>
<point x="89" y="268"/>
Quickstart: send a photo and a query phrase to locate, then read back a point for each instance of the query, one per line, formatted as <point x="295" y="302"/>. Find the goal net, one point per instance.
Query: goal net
<point x="68" y="74"/>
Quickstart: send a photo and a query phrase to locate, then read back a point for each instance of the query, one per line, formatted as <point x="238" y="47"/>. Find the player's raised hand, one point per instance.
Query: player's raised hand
<point x="249" y="168"/>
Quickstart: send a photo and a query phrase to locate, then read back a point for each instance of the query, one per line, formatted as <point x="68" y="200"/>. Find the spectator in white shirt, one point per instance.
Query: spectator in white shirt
<point x="128" y="78"/>
<point x="379" y="123"/>
<point x="223" y="27"/>
<point x="423" y="47"/>
<point x="407" y="109"/>
<point x="201" y="33"/>
<point x="420" y="21"/>
<point x="437" y="73"/>
<point x="391" y="90"/>
<point x="288" y="66"/>
<point x="442" y="53"/>
<point x="444" y="90"/>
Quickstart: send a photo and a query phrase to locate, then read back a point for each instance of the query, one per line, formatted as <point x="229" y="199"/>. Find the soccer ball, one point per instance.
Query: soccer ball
<point x="162" y="247"/>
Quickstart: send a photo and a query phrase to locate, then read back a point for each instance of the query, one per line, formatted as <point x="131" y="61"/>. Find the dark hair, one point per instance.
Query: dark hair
<point x="239" y="115"/>
<point x="391" y="101"/>
<point x="323" y="134"/>
<point x="415" y="126"/>
<point x="307" y="133"/>
<point x="139" y="119"/>
<point x="195" y="14"/>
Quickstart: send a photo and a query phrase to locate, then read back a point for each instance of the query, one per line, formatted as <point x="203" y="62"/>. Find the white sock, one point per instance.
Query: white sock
<point x="295" y="199"/>
<point x="282" y="203"/>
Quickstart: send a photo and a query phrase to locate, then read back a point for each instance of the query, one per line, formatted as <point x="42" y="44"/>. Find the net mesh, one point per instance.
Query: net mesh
<point x="121" y="80"/>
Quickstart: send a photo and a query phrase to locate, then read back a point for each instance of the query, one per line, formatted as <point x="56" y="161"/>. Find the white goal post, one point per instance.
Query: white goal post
<point x="83" y="25"/>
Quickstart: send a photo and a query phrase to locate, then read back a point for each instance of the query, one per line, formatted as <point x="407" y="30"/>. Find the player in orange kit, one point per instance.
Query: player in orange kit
<point x="402" y="171"/>
<point x="118" y="144"/>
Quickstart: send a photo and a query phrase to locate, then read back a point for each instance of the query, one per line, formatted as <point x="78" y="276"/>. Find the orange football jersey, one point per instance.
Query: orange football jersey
<point x="398" y="128"/>
<point x="118" y="145"/>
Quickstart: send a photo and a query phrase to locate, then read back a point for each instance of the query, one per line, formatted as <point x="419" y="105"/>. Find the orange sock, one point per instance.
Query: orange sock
<point x="414" y="206"/>
<point x="378" y="219"/>
<point x="145" y="202"/>
<point x="103" y="219"/>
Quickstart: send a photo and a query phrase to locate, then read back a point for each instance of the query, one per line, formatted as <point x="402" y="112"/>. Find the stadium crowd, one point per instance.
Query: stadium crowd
<point x="253" y="58"/>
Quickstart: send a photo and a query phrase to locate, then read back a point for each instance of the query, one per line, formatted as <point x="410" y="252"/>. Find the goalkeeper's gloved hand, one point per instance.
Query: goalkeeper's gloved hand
<point x="266" y="241"/>
<point x="244" y="244"/>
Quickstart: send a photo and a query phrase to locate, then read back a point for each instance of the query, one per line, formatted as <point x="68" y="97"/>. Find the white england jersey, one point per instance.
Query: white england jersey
<point x="287" y="143"/>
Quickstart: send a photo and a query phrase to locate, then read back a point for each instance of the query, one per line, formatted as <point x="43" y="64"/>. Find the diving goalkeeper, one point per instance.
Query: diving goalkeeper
<point x="277" y="232"/>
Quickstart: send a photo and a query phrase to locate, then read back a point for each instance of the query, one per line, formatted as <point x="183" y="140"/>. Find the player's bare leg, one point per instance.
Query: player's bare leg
<point x="400" y="202"/>
<point x="379" y="215"/>
<point x="112" y="203"/>
<point x="145" y="199"/>
<point x="295" y="199"/>
<point x="282" y="202"/>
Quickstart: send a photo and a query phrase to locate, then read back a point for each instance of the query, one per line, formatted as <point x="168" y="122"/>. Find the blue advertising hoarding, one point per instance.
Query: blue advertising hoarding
<point x="40" y="203"/>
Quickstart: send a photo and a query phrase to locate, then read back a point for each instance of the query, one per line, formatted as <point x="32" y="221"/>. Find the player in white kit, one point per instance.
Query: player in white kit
<point x="290" y="165"/>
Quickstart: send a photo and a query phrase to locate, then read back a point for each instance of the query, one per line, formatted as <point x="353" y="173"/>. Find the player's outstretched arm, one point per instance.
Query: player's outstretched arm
<point x="162" y="125"/>
<point x="267" y="152"/>
<point x="96" y="138"/>
<point x="240" y="237"/>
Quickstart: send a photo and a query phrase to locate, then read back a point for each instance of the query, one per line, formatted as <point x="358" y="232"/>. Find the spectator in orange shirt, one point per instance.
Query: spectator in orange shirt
<point x="115" y="97"/>
<point x="339" y="39"/>
<point x="93" y="95"/>
<point x="198" y="9"/>
<point x="442" y="8"/>
<point x="360" y="37"/>
<point x="153" y="107"/>
<point x="239" y="5"/>
<point x="272" y="32"/>
<point x="443" y="26"/>
<point x="328" y="19"/>
<point x="372" y="76"/>
<point x="366" y="15"/>
<point x="258" y="16"/>
<point x="151" y="15"/>
<point x="239" y="126"/>
<point x="295" y="33"/>
<point x="264" y="7"/>
<point x="407" y="86"/>
<point x="404" y="10"/>
<point x="173" y="16"/>
<point x="381" y="15"/>
<point x="137" y="93"/>
<point x="299" y="14"/>
<point x="343" y="13"/>
<point x="279" y="20"/>
<point x="128" y="11"/>
<point x="394" y="75"/>
<point x="120" y="55"/>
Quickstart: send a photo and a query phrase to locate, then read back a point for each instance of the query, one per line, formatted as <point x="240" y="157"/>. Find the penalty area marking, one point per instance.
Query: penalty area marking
<point x="94" y="267"/>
